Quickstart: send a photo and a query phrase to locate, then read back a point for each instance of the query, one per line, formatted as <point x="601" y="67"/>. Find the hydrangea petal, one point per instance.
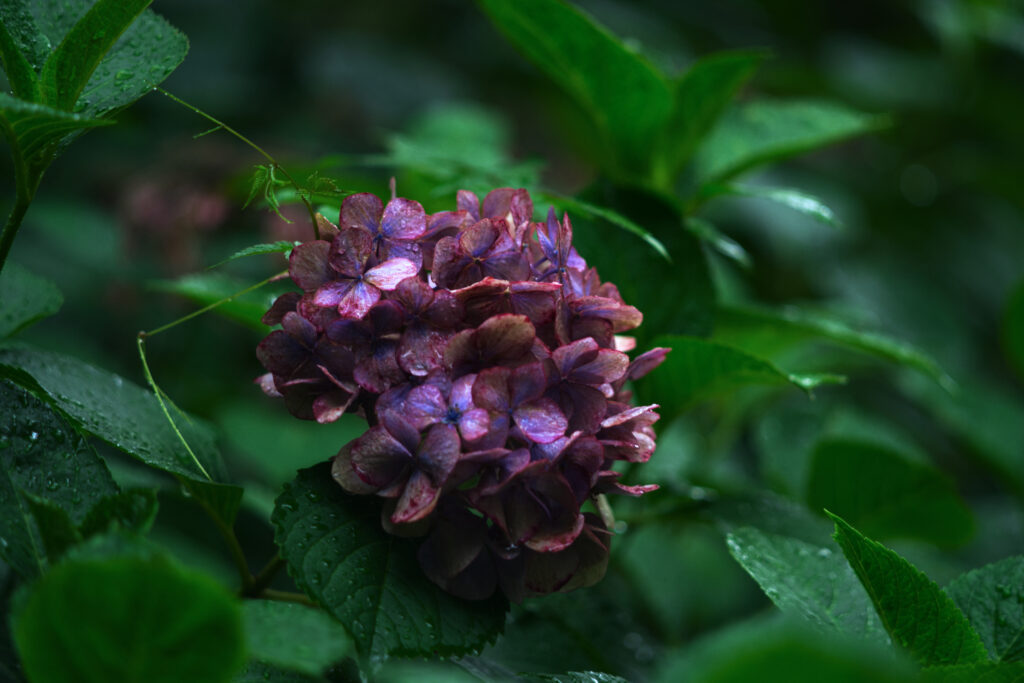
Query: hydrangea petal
<point x="541" y="421"/>
<point x="362" y="211"/>
<point x="308" y="265"/>
<point x="387" y="275"/>
<point x="404" y="219"/>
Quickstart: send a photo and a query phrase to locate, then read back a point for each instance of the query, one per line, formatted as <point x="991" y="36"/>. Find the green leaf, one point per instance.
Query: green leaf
<point x="675" y="297"/>
<point x="27" y="298"/>
<point x="132" y="510"/>
<point x="699" y="97"/>
<point x="767" y="331"/>
<point x="128" y="617"/>
<point x="281" y="247"/>
<point x="220" y="500"/>
<point x="988" y="672"/>
<point x="34" y="130"/>
<point x="806" y="579"/>
<point x="371" y="581"/>
<point x="22" y="48"/>
<point x="794" y="199"/>
<point x="69" y="67"/>
<point x="762" y="131"/>
<point x="576" y="677"/>
<point x="917" y="614"/>
<point x="114" y="410"/>
<point x="992" y="598"/>
<point x="697" y="370"/>
<point x="886" y="495"/>
<point x="57" y="531"/>
<point x="41" y="455"/>
<point x="293" y="636"/>
<point x="719" y="241"/>
<point x="1013" y="330"/>
<point x="777" y="650"/>
<point x="625" y="96"/>
<point x="209" y="288"/>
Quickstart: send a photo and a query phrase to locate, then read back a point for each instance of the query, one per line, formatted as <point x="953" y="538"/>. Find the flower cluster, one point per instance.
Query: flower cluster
<point x="487" y="359"/>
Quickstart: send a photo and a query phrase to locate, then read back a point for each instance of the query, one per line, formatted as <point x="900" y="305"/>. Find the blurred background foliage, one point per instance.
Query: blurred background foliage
<point x="913" y="229"/>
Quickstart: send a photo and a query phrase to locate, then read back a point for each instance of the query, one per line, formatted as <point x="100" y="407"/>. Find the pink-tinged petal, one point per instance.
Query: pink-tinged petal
<point x="410" y="251"/>
<point x="419" y="498"/>
<point x="320" y="316"/>
<point x="646" y="362"/>
<point x="285" y="303"/>
<point x="468" y="202"/>
<point x="624" y="343"/>
<point x="630" y="413"/>
<point x="421" y="350"/>
<point x="569" y="356"/>
<point x="281" y="354"/>
<point x="362" y="211"/>
<point x="445" y="224"/>
<point x="507" y="265"/>
<point x="621" y="317"/>
<point x="332" y="405"/>
<point x="474" y="424"/>
<point x="345" y="474"/>
<point x="349" y="252"/>
<point x="414" y="295"/>
<point x="481" y="238"/>
<point x="404" y="219"/>
<point x="490" y="390"/>
<point x="438" y="452"/>
<point x="378" y="459"/>
<point x="634" y="491"/>
<point x="387" y="275"/>
<point x="460" y="353"/>
<point x="267" y="386"/>
<point x="446" y="263"/>
<point x="308" y="265"/>
<point x="526" y="383"/>
<point x="398" y="427"/>
<point x="541" y="421"/>
<point x="332" y="293"/>
<point x="424" y="406"/>
<point x="505" y="200"/>
<point x="328" y="230"/>
<point x="358" y="300"/>
<point x="560" y="541"/>
<point x="505" y="338"/>
<point x="606" y="366"/>
<point x="445" y="311"/>
<point x="535" y="300"/>
<point x="461" y="396"/>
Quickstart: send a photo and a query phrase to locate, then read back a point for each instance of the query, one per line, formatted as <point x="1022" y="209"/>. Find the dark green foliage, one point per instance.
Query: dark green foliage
<point x="27" y="298"/>
<point x="993" y="600"/>
<point x="293" y="637"/>
<point x="370" y="581"/>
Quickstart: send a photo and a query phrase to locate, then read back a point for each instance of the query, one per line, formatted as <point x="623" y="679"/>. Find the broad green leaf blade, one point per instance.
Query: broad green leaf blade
<point x="918" y="615"/>
<point x="993" y="600"/>
<point x="887" y="495"/>
<point x="782" y="650"/>
<point x="115" y="410"/>
<point x="22" y="48"/>
<point x="293" y="636"/>
<point x="210" y="288"/>
<point x="57" y="531"/>
<point x="69" y="67"/>
<point x="135" y="617"/>
<point x="26" y="299"/>
<point x="809" y="580"/>
<point x="34" y="130"/>
<point x="697" y="370"/>
<point x="762" y="131"/>
<point x="755" y="328"/>
<point x="675" y="297"/>
<point x="133" y="510"/>
<point x="281" y="247"/>
<point x="987" y="672"/>
<point x="148" y="52"/>
<point x="699" y="97"/>
<point x="339" y="555"/>
<point x="1013" y="330"/>
<point x="794" y="199"/>
<point x="625" y="96"/>
<point x="719" y="241"/>
<point x="41" y="455"/>
<point x="575" y="677"/>
<point x="259" y="672"/>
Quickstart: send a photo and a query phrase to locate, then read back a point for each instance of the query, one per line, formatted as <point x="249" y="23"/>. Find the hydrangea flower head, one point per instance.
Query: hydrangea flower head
<point x="486" y="358"/>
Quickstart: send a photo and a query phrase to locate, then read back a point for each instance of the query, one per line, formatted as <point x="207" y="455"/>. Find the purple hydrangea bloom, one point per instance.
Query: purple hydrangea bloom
<point x="489" y="362"/>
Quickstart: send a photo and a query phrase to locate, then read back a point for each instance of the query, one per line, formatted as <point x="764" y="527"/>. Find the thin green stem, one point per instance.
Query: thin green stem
<point x="285" y="596"/>
<point x="266" y="575"/>
<point x="210" y="307"/>
<point x="266" y="155"/>
<point x="24" y="191"/>
<point x="21" y="204"/>
<point x="228" y="534"/>
<point x="163" y="406"/>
